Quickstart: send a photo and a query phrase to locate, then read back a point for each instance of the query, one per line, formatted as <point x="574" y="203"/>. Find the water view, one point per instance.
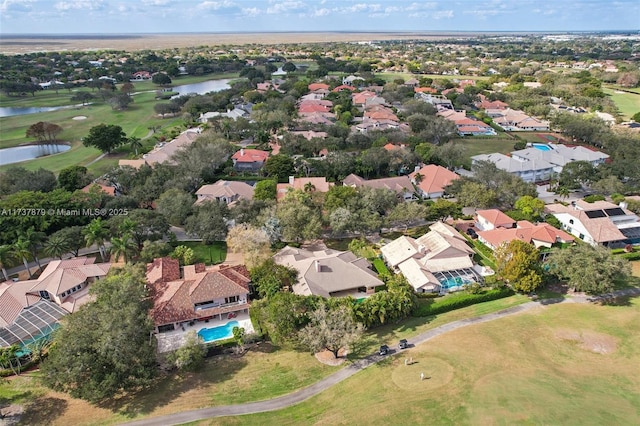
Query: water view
<point x="11" y="111"/>
<point x="202" y="88"/>
<point x="184" y="89"/>
<point x="29" y="152"/>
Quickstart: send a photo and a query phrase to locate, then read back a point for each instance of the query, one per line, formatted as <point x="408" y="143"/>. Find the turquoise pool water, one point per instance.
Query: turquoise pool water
<point x="453" y="282"/>
<point x="218" y="333"/>
<point x="542" y="146"/>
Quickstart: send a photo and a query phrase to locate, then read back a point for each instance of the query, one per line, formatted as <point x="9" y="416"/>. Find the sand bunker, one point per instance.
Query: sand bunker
<point x="80" y="117"/>
<point x="590" y="340"/>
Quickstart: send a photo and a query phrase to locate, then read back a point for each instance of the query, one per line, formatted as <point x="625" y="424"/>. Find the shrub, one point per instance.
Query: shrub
<point x="460" y="300"/>
<point x="593" y="198"/>
<point x="520" y="145"/>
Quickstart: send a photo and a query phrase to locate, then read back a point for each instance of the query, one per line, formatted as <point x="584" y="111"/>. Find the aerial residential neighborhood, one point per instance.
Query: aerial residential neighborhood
<point x="242" y="228"/>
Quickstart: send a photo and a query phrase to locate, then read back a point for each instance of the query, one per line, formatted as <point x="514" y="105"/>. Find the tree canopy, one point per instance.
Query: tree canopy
<point x="104" y="348"/>
<point x="105" y="137"/>
<point x="587" y="268"/>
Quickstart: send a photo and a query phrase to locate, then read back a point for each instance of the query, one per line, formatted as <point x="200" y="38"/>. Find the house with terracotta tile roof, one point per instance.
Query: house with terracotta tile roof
<point x="229" y="192"/>
<point x="599" y="223"/>
<point x="318" y="184"/>
<point x="318" y="86"/>
<point x="249" y="160"/>
<point x="439" y="261"/>
<point x="343" y="87"/>
<point x="360" y="98"/>
<point x="401" y="185"/>
<point x="31" y="309"/>
<point x="109" y="190"/>
<point x="540" y="235"/>
<point x="329" y="273"/>
<point x="431" y="180"/>
<point x="487" y="220"/>
<point x="195" y="293"/>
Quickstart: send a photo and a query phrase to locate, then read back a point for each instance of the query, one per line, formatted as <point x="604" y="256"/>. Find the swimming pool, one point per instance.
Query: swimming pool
<point x="218" y="333"/>
<point x="453" y="283"/>
<point x="541" y="146"/>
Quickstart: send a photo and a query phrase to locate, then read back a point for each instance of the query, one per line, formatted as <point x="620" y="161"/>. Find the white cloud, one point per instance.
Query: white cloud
<point x="216" y="5"/>
<point x="321" y="12"/>
<point x="448" y="14"/>
<point x="286" y="7"/>
<point x="80" y="4"/>
<point x="155" y="2"/>
<point x="15" y="6"/>
<point x="251" y="11"/>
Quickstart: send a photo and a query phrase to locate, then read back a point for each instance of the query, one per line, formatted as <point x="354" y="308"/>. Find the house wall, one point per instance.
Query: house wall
<point x="483" y="224"/>
<point x="576" y="228"/>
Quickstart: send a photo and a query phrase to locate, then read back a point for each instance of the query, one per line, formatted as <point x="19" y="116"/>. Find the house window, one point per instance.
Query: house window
<point x="231" y="299"/>
<point x="45" y="294"/>
<point x="581" y="236"/>
<point x="571" y="221"/>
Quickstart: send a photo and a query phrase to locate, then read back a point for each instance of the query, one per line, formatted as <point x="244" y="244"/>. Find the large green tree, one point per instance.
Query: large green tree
<point x="105" y="137"/>
<point x="104" y="348"/>
<point x="587" y="268"/>
<point x="331" y="329"/>
<point x="279" y="167"/>
<point x="209" y="221"/>
<point x="518" y="263"/>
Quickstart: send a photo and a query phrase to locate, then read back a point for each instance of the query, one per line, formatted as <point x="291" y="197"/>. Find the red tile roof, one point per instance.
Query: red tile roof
<point x="434" y="178"/>
<point x="496" y="218"/>
<point x="174" y="301"/>
<point x="250" y="156"/>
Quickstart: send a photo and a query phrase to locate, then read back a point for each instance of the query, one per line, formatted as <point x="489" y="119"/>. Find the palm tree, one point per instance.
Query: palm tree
<point x="96" y="233"/>
<point x="20" y="249"/>
<point x="5" y="257"/>
<point x="418" y="178"/>
<point x="34" y="239"/>
<point x="309" y="187"/>
<point x="563" y="192"/>
<point x="56" y="246"/>
<point x="127" y="227"/>
<point x="122" y="247"/>
<point x="135" y="144"/>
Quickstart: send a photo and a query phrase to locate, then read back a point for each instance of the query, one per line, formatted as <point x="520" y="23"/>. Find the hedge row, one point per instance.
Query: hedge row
<point x="428" y="307"/>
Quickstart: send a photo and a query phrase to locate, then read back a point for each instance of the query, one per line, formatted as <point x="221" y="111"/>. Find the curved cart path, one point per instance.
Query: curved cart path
<point x="337" y="377"/>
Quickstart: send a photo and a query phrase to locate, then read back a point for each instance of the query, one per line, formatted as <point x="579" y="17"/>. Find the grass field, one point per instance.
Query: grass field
<point x="563" y="364"/>
<point x="260" y="374"/>
<point x="486" y="145"/>
<point x="135" y="121"/>
<point x="628" y="103"/>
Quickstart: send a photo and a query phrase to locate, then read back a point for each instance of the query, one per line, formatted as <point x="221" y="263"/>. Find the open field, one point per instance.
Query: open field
<point x="628" y="103"/>
<point x="260" y="374"/>
<point x="12" y="44"/>
<point x="563" y="364"/>
<point x="486" y="145"/>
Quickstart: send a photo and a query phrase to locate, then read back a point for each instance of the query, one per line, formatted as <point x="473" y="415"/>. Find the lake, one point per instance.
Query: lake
<point x="11" y="111"/>
<point x="29" y="152"/>
<point x="202" y="88"/>
<point x="184" y="89"/>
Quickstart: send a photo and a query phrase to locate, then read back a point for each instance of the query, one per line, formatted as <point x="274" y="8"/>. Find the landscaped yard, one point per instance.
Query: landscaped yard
<point x="260" y="374"/>
<point x="209" y="254"/>
<point x="563" y="364"/>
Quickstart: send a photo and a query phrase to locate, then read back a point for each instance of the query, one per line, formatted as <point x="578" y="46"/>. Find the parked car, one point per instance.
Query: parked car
<point x="403" y="344"/>
<point x="384" y="350"/>
<point x="472" y="233"/>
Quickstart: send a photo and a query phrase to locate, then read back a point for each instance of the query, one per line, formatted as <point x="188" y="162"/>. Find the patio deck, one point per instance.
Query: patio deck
<point x="172" y="340"/>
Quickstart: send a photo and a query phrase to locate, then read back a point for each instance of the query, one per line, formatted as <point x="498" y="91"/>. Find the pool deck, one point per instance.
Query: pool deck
<point x="172" y="340"/>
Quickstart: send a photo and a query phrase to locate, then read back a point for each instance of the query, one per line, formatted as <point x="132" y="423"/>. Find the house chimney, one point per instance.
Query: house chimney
<point x="416" y="169"/>
<point x="318" y="267"/>
<point x="241" y="151"/>
<point x="291" y="179"/>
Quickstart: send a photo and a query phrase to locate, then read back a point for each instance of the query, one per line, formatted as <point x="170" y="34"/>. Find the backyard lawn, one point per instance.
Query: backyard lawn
<point x="208" y="254"/>
<point x="260" y="374"/>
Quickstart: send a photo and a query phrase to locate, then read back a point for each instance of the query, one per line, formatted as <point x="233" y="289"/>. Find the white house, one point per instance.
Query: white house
<point x="598" y="223"/>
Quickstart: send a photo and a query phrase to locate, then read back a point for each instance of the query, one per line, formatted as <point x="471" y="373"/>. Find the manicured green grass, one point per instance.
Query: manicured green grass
<point x="628" y="103"/>
<point x="390" y="76"/>
<point x="209" y="254"/>
<point x="381" y="268"/>
<point x="486" y="145"/>
<point x="541" y="367"/>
